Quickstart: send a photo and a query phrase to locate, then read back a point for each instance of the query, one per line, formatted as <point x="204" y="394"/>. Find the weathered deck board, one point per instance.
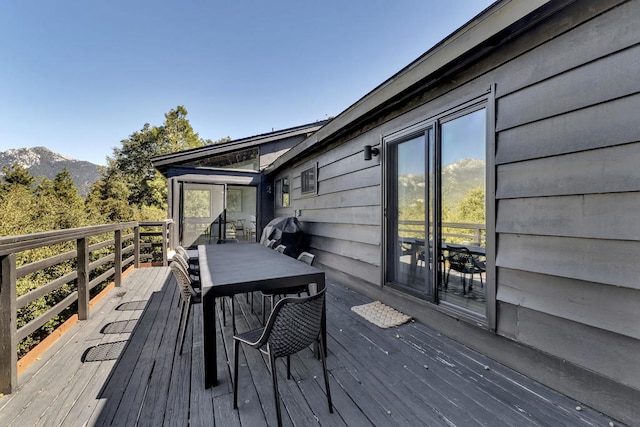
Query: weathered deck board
<point x="403" y="376"/>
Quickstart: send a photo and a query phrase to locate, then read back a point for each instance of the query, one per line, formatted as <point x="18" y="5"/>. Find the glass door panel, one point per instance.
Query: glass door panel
<point x="200" y="210"/>
<point x="241" y="212"/>
<point x="408" y="263"/>
<point x="462" y="210"/>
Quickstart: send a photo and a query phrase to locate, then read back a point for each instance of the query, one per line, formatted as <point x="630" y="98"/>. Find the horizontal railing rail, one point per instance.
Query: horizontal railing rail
<point x="75" y="262"/>
<point x="468" y="232"/>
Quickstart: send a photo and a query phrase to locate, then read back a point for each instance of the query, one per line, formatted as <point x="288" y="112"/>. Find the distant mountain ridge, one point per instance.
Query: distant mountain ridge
<point x="42" y="162"/>
<point x="457" y="179"/>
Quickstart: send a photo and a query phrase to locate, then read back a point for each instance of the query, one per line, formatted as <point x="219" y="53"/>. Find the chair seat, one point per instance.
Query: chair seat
<point x="294" y="324"/>
<point x="250" y="337"/>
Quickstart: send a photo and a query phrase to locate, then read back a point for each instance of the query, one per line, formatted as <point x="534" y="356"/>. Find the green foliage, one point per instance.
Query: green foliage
<point x="132" y="163"/>
<point x="129" y="189"/>
<point x="472" y="207"/>
<point x="16" y="175"/>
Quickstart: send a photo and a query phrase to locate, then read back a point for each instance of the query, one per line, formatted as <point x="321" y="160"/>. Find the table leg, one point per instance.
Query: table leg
<point x="210" y="345"/>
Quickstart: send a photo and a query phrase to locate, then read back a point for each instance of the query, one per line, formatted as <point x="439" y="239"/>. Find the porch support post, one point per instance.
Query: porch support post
<point x="117" y="279"/>
<point x="8" y="340"/>
<point x="165" y="246"/>
<point x="136" y="246"/>
<point x="83" y="278"/>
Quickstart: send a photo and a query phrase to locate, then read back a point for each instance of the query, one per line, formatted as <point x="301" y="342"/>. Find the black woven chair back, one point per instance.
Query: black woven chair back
<point x="460" y="259"/>
<point x="294" y="324"/>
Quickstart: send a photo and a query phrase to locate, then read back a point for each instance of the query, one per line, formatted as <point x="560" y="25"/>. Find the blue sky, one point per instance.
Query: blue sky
<point x="78" y="76"/>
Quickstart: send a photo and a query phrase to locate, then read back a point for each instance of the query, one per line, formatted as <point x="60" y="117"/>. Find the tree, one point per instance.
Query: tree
<point x="108" y="199"/>
<point x="146" y="186"/>
<point x="472" y="207"/>
<point x="17" y="175"/>
<point x="177" y="133"/>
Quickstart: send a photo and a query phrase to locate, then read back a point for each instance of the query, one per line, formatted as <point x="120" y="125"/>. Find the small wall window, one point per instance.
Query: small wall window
<point x="309" y="180"/>
<point x="282" y="192"/>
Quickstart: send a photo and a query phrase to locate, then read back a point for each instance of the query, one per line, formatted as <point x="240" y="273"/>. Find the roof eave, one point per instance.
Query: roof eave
<point x="490" y="22"/>
<point x="162" y="162"/>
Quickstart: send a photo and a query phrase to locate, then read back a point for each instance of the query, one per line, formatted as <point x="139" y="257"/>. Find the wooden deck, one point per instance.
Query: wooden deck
<point x="404" y="376"/>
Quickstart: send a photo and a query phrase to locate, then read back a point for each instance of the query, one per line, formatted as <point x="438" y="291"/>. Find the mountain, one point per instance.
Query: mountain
<point x="42" y="162"/>
<point x="457" y="179"/>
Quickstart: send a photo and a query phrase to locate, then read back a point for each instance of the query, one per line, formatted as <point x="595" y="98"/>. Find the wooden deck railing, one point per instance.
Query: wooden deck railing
<point x="78" y="260"/>
<point x="451" y="231"/>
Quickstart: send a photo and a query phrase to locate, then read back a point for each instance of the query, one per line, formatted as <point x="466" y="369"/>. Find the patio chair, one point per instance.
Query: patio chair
<point x="294" y="324"/>
<point x="305" y="257"/>
<point x="188" y="296"/>
<point x="194" y="264"/>
<point x="183" y="260"/>
<point x="461" y="260"/>
<point x="281" y="248"/>
<point x="239" y="227"/>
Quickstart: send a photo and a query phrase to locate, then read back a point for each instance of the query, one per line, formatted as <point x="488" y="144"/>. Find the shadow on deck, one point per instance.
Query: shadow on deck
<point x="122" y="367"/>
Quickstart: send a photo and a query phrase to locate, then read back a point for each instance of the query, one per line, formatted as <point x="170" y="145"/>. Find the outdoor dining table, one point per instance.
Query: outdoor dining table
<point x="230" y="269"/>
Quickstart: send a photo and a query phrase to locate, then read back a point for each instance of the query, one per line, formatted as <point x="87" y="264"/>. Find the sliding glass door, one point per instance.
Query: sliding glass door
<point x="435" y="210"/>
<point x="410" y="211"/>
<point x="200" y="210"/>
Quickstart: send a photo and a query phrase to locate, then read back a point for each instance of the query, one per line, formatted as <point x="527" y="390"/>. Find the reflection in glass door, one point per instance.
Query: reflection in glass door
<point x="412" y="208"/>
<point x="435" y="198"/>
<point x="462" y="210"/>
<point x="200" y="209"/>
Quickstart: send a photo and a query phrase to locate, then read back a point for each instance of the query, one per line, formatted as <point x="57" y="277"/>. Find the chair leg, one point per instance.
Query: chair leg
<point x="184" y="325"/>
<point x="264" y="309"/>
<point x="276" y="396"/>
<point x="326" y="374"/>
<point x="224" y="313"/>
<point x="236" y="349"/>
<point x="233" y="314"/>
<point x="288" y="367"/>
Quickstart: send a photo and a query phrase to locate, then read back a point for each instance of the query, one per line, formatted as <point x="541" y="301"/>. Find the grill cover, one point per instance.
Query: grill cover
<point x="286" y="231"/>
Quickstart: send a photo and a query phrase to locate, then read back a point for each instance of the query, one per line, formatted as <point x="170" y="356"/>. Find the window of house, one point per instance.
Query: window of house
<point x="435" y="197"/>
<point x="282" y="192"/>
<point x="308" y="180"/>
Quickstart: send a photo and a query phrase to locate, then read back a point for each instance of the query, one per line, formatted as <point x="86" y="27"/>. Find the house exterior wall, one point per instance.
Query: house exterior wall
<point x="567" y="193"/>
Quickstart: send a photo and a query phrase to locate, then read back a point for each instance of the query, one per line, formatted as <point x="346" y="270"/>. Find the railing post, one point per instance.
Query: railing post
<point x="165" y="238"/>
<point x="8" y="340"/>
<point x="117" y="252"/>
<point x="83" y="278"/>
<point x="136" y="246"/>
<point x="477" y="236"/>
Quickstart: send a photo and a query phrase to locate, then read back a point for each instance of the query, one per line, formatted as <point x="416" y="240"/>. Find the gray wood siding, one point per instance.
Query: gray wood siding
<point x="539" y="292"/>
<point x="568" y="191"/>
<point x="567" y="185"/>
<point x="587" y="215"/>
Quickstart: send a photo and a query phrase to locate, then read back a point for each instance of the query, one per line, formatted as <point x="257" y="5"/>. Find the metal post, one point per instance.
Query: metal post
<point x="83" y="278"/>
<point x="8" y="340"/>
